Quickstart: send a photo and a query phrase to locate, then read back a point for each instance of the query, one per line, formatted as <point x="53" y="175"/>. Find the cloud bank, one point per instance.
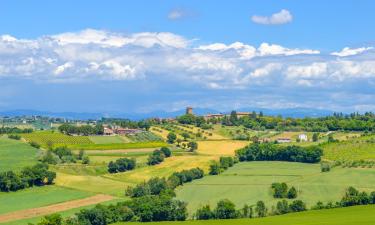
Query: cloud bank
<point x="238" y="73"/>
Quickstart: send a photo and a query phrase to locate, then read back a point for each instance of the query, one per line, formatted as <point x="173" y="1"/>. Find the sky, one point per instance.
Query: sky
<point x="142" y="56"/>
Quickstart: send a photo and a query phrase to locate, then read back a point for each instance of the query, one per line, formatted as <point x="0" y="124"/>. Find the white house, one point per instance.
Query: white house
<point x="302" y="137"/>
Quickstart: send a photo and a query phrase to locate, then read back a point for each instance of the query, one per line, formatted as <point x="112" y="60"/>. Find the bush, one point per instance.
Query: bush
<point x="297" y="206"/>
<point x="167" y="152"/>
<point x="14" y="136"/>
<point x="325" y="167"/>
<point x="34" y="144"/>
<point x="292" y="193"/>
<point x="204" y="213"/>
<point x="215" y="168"/>
<point x="156" y="157"/>
<point x="121" y="165"/>
<point x="225" y="209"/>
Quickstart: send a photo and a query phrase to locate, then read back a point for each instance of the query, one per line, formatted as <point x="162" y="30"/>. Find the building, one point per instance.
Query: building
<point x="242" y="114"/>
<point x="108" y="131"/>
<point x="213" y="116"/>
<point x="283" y="140"/>
<point x="302" y="137"/>
<point x="189" y="110"/>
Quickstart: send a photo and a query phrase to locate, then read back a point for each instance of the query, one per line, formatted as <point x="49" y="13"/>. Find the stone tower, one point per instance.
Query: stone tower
<point x="189" y="110"/>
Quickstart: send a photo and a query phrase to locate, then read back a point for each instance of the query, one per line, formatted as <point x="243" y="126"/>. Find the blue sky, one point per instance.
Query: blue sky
<point x="114" y="56"/>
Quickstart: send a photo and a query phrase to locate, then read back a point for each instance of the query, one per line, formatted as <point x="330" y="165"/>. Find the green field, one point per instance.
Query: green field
<point x="15" y="155"/>
<point x="37" y="197"/>
<point x="66" y="213"/>
<point x="357" y="149"/>
<point x="248" y="182"/>
<point x="359" y="215"/>
<point x="118" y="146"/>
<point x="109" y="139"/>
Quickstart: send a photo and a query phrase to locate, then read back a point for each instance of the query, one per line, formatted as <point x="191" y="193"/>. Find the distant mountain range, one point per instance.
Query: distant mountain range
<point x="288" y="112"/>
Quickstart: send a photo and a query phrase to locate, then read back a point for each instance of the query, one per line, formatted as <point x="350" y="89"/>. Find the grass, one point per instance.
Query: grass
<point x="363" y="215"/>
<point x="356" y="149"/>
<point x="108" y="139"/>
<point x="93" y="184"/>
<point x="37" y="197"/>
<point x="14" y="155"/>
<point x="249" y="182"/>
<point x="64" y="214"/>
<point x="166" y="168"/>
<point x="118" y="146"/>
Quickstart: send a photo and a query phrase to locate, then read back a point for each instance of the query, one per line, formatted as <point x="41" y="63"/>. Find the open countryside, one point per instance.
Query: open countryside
<point x="187" y="112"/>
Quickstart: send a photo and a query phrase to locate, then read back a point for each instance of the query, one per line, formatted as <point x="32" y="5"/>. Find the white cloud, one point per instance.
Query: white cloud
<point x="62" y="68"/>
<point x="351" y="51"/>
<point x="272" y="49"/>
<point x="282" y="17"/>
<point x="176" y="14"/>
<point x="315" y="70"/>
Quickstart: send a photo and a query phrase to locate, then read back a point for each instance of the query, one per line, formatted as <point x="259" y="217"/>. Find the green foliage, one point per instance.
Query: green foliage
<point x="204" y="213"/>
<point x="325" y="167"/>
<point x="121" y="165"/>
<point x="37" y="175"/>
<point x="156" y="157"/>
<point x="273" y="152"/>
<point x="225" y="209"/>
<point x="14" y="130"/>
<point x="14" y="136"/>
<point x="81" y="130"/>
<point x="261" y="209"/>
<point x="192" y="146"/>
<point x="171" y="138"/>
<point x="166" y="151"/>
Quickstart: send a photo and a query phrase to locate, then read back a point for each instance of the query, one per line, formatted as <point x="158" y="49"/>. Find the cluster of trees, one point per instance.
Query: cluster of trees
<point x="142" y="124"/>
<point x="280" y="190"/>
<point x="225" y="209"/>
<point x="144" y="209"/>
<point x="352" y="197"/>
<point x="14" y="130"/>
<point x="121" y="165"/>
<point x="81" y="130"/>
<point x="198" y="121"/>
<point x="217" y="167"/>
<point x="338" y="121"/>
<point x="158" y="186"/>
<point x="273" y="152"/>
<point x="159" y="155"/>
<point x="63" y="155"/>
<point x="14" y="136"/>
<point x="37" y="175"/>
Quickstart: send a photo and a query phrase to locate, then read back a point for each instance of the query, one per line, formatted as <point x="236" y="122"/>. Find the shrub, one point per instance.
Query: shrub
<point x="225" y="209"/>
<point x="121" y="165"/>
<point x="167" y="152"/>
<point x="34" y="144"/>
<point x="325" y="167"/>
<point x="156" y="157"/>
<point x="292" y="193"/>
<point x="14" y="136"/>
<point x="204" y="213"/>
<point x="297" y="206"/>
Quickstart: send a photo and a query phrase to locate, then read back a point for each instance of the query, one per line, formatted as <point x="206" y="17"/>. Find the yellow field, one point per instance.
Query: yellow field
<point x="165" y="169"/>
<point x="95" y="184"/>
<point x="217" y="148"/>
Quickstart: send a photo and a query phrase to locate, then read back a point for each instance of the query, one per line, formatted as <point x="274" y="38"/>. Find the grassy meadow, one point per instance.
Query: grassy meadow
<point x="14" y="155"/>
<point x="363" y="215"/>
<point x="37" y="197"/>
<point x="248" y="182"/>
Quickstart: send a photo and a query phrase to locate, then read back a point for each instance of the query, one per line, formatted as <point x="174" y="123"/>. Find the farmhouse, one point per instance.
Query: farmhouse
<point x="108" y="131"/>
<point x="213" y="116"/>
<point x="242" y="114"/>
<point x="283" y="140"/>
<point x="302" y="137"/>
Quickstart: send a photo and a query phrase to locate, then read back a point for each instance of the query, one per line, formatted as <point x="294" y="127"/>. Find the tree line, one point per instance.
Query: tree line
<point x="273" y="152"/>
<point x="14" y="130"/>
<point x="63" y="155"/>
<point x="84" y="130"/>
<point x="37" y="175"/>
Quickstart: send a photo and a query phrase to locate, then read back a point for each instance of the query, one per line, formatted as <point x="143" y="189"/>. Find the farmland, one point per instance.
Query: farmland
<point x="249" y="182"/>
<point x="364" y="215"/>
<point x="15" y="155"/>
<point x="37" y="197"/>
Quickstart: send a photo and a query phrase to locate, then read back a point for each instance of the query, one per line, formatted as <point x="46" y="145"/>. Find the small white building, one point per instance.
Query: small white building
<point x="283" y="140"/>
<point x="303" y="137"/>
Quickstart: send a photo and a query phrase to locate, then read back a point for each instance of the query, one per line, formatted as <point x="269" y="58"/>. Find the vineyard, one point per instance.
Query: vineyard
<point x="47" y="138"/>
<point x="144" y="137"/>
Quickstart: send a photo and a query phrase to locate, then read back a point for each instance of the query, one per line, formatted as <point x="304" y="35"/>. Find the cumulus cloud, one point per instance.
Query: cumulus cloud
<point x="282" y="17"/>
<point x="351" y="51"/>
<point x="160" y="58"/>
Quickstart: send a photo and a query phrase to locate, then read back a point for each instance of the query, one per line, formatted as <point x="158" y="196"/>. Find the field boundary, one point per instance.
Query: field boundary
<point x="59" y="207"/>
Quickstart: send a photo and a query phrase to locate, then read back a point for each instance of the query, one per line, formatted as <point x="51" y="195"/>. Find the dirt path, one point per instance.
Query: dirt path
<point x="45" y="210"/>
